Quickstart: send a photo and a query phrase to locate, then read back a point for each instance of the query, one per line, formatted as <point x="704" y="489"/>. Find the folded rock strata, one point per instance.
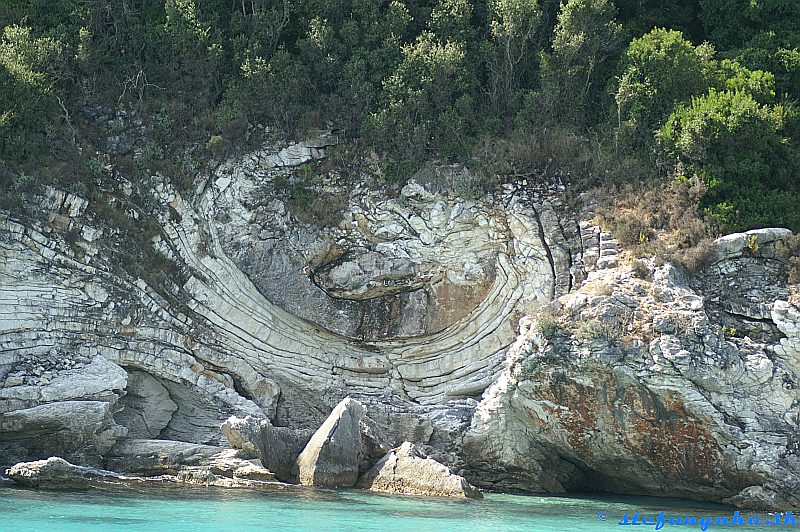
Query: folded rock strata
<point x="410" y="305"/>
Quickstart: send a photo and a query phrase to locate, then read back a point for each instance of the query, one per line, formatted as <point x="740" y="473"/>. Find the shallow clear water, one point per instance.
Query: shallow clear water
<point x="235" y="510"/>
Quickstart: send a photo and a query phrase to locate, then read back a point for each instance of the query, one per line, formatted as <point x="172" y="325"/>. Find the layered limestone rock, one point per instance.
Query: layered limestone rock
<point x="630" y="387"/>
<point x="279" y="448"/>
<point x="158" y="457"/>
<point x="146" y="407"/>
<point x="407" y="300"/>
<point x="274" y="318"/>
<point x="49" y="408"/>
<point x="224" y="469"/>
<point x="332" y="455"/>
<point x="407" y="471"/>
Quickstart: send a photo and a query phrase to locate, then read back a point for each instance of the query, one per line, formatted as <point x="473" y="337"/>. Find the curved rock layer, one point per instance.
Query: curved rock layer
<point x="408" y="304"/>
<point x="210" y="344"/>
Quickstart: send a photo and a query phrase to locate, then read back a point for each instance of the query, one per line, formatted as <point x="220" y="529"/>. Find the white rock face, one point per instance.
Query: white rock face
<point x="332" y="455"/>
<point x="438" y="293"/>
<point x="409" y="305"/>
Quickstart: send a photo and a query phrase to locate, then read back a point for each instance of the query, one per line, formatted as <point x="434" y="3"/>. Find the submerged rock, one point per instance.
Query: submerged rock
<point x="331" y="457"/>
<point x="407" y="471"/>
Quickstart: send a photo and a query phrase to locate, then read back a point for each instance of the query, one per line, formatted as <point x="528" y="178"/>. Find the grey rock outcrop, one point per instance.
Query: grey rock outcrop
<point x="375" y="444"/>
<point x="175" y="461"/>
<point x="332" y="456"/>
<point x="247" y="434"/>
<point x="68" y="414"/>
<point x="276" y="447"/>
<point x="147" y="408"/>
<point x="408" y="303"/>
<point x="158" y="457"/>
<point x="630" y="387"/>
<point x="408" y="471"/>
<point x="54" y="473"/>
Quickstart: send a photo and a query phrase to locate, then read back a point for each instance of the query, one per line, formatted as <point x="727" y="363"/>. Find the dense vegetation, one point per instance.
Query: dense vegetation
<point x="698" y="91"/>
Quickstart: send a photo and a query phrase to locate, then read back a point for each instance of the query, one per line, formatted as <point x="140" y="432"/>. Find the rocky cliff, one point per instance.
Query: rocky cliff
<point x="502" y="332"/>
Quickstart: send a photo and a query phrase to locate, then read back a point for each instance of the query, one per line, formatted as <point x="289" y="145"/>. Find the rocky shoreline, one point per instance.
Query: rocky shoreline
<point x="346" y="451"/>
<point x="507" y="337"/>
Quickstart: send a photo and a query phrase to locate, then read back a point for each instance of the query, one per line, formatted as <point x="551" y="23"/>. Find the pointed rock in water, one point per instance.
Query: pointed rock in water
<point x="276" y="447"/>
<point x="406" y="470"/>
<point x="332" y="455"/>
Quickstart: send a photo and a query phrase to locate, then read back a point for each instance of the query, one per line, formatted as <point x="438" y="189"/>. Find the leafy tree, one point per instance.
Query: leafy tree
<point x="276" y="89"/>
<point x="193" y="54"/>
<point x="514" y="24"/>
<point x="733" y="23"/>
<point x="641" y="16"/>
<point x="29" y="69"/>
<point x="350" y="48"/>
<point x="587" y="39"/>
<point x="732" y="76"/>
<point x="428" y="84"/>
<point x="450" y="21"/>
<point x="769" y="52"/>
<point x="658" y="71"/>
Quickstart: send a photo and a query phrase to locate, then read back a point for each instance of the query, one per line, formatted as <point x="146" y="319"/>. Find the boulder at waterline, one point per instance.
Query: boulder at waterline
<point x="54" y="473"/>
<point x="406" y="470"/>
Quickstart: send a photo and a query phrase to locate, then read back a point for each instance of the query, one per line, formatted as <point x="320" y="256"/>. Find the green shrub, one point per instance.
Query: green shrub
<point x="548" y="326"/>
<point x="737" y="147"/>
<point x="218" y="145"/>
<point x="640" y="270"/>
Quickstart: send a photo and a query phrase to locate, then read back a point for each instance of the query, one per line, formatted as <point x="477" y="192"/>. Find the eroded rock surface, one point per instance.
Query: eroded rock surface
<point x="57" y="409"/>
<point x="408" y="471"/>
<point x="632" y="388"/>
<point x="276" y="447"/>
<point x="54" y="473"/>
<point x="408" y="301"/>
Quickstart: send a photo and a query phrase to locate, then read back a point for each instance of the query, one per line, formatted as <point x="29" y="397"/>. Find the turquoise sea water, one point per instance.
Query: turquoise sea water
<point x="321" y="510"/>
